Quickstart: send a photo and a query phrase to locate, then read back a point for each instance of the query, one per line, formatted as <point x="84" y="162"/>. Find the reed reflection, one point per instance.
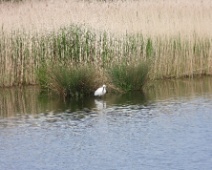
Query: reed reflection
<point x="30" y="101"/>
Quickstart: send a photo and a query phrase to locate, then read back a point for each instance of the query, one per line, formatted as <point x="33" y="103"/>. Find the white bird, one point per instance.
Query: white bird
<point x="100" y="91"/>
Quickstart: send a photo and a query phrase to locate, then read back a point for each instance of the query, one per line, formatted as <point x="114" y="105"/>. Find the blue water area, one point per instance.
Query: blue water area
<point x="173" y="131"/>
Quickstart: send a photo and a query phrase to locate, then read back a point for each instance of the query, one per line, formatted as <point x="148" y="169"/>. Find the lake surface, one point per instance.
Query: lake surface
<point x="167" y="126"/>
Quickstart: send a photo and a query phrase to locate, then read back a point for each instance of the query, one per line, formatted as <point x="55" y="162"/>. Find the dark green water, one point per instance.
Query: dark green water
<point x="168" y="126"/>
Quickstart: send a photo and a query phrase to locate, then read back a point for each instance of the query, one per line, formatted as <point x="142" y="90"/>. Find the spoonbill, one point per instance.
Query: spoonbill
<point x="100" y="91"/>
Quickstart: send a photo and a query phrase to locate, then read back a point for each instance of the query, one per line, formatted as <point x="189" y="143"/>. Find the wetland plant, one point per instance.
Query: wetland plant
<point x="69" y="81"/>
<point x="21" y="55"/>
<point x="128" y="77"/>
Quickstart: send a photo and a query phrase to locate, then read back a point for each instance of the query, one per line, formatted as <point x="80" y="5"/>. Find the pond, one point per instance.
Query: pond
<point x="167" y="126"/>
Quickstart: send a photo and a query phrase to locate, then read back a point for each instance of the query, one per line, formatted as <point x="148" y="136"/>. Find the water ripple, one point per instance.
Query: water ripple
<point x="165" y="134"/>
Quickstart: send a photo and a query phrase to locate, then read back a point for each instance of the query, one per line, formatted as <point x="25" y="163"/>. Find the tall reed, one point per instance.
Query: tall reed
<point x="179" y="57"/>
<point x="173" y="37"/>
<point x="21" y="54"/>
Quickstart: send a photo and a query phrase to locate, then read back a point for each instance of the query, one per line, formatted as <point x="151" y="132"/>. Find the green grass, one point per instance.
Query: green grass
<point x="129" y="77"/>
<point x="68" y="81"/>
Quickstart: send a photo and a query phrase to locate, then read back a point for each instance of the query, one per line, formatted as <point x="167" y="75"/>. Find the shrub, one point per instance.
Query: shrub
<point x="129" y="77"/>
<point x="70" y="81"/>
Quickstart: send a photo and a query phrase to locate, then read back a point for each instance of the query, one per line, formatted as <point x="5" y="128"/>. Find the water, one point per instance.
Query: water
<point x="168" y="126"/>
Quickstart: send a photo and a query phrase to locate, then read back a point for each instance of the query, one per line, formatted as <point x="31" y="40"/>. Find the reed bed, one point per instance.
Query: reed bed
<point x="153" y="17"/>
<point x="173" y="38"/>
<point x="22" y="54"/>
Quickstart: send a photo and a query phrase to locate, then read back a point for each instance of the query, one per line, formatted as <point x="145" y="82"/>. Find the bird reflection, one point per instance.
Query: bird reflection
<point x="100" y="104"/>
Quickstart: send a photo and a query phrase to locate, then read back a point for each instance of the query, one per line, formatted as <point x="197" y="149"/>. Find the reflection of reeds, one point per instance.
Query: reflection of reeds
<point x="17" y="101"/>
<point x="183" y="88"/>
<point x="28" y="101"/>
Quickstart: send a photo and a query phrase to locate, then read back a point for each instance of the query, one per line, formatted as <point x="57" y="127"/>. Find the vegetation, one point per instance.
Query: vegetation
<point x="28" y="59"/>
<point x="61" y="57"/>
<point x="129" y="77"/>
<point x="70" y="81"/>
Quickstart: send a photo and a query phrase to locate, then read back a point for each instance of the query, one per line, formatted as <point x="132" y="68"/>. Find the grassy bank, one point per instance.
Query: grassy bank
<point x="22" y="55"/>
<point x="35" y="52"/>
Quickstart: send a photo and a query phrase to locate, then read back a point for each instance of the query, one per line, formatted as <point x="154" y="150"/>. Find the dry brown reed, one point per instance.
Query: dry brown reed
<point x="177" y="35"/>
<point x="152" y="17"/>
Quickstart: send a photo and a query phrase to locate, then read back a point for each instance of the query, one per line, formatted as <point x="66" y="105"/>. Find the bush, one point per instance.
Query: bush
<point x="70" y="81"/>
<point x="129" y="77"/>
